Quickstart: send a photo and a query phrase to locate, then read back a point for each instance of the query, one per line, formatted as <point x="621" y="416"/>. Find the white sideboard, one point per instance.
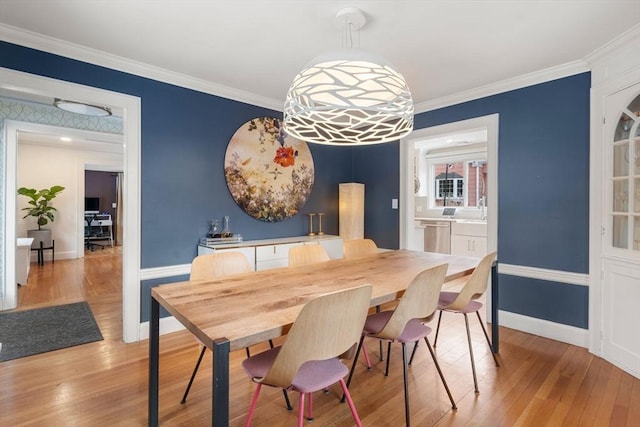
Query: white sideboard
<point x="274" y="253"/>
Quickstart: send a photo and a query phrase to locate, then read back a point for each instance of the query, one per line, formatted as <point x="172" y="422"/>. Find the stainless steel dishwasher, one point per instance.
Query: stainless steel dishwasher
<point x="437" y="236"/>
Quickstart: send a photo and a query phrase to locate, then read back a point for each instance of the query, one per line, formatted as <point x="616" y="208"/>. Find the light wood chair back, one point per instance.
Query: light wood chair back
<point x="359" y="248"/>
<point x="327" y="326"/>
<point x="420" y="301"/>
<point x="307" y="254"/>
<point x="218" y="264"/>
<point x="476" y="286"/>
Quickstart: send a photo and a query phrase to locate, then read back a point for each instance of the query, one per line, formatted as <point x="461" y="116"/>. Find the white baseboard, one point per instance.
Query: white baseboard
<point x="47" y="255"/>
<point x="545" y="328"/>
<point x="531" y="325"/>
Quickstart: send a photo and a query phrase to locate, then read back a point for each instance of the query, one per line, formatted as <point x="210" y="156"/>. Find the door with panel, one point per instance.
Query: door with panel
<point x="620" y="256"/>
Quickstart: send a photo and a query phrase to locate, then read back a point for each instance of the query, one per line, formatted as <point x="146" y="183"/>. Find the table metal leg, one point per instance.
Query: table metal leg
<point x="154" y="361"/>
<point x="495" y="334"/>
<point x="220" y="384"/>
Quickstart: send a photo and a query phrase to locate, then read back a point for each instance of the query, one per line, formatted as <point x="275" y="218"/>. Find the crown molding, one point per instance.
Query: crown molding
<point x="630" y="36"/>
<point x="48" y="44"/>
<point x="37" y="41"/>
<point x="548" y="74"/>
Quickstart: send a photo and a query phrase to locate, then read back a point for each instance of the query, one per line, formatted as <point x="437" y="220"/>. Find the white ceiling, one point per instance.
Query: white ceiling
<point x="251" y="50"/>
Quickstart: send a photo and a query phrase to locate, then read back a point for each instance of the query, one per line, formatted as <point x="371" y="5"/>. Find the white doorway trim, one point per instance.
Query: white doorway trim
<point x="130" y="105"/>
<point x="407" y="149"/>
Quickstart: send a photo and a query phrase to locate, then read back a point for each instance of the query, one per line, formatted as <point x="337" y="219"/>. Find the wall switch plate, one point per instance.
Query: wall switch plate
<point x="394" y="203"/>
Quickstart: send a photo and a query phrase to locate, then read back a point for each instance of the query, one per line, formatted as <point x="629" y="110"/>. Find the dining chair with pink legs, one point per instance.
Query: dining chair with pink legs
<point x="328" y="327"/>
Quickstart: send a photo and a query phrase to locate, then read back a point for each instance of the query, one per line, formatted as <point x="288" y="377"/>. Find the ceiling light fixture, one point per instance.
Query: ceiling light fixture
<point x="348" y="97"/>
<point x="81" y="108"/>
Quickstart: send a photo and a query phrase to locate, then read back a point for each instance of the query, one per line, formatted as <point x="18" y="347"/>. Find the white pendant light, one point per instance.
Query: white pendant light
<point x="348" y="97"/>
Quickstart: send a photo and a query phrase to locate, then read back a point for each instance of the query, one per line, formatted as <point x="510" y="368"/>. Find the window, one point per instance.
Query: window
<point x="449" y="189"/>
<point x="459" y="181"/>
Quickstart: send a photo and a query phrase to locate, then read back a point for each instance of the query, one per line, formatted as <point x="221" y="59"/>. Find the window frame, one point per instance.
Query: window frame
<point x="476" y="152"/>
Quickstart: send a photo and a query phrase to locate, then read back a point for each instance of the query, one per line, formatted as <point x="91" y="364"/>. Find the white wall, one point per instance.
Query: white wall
<point x="40" y="166"/>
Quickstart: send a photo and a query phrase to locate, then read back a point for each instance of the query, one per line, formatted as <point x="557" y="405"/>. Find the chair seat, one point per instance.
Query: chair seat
<point x="413" y="331"/>
<point x="447" y="298"/>
<point x="312" y="376"/>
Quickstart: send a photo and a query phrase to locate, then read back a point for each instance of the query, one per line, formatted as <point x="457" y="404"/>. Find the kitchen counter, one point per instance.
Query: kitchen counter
<point x="471" y="220"/>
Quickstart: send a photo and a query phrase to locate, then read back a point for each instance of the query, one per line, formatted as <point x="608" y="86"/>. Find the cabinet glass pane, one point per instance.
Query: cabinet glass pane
<point x="623" y="129"/>
<point x="637" y="156"/>
<point x="620" y="232"/>
<point x="634" y="106"/>
<point x="636" y="233"/>
<point x="621" y="196"/>
<point x="636" y="199"/>
<point x="621" y="160"/>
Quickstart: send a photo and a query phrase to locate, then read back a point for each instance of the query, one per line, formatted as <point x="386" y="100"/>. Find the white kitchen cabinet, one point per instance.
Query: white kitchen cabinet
<point x="469" y="239"/>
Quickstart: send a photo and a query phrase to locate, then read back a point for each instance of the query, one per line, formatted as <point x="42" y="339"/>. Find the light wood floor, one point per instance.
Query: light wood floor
<point x="540" y="381"/>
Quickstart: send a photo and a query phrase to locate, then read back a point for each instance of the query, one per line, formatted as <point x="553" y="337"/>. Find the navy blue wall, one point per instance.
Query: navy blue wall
<point x="543" y="205"/>
<point x="543" y="175"/>
<point x="184" y="137"/>
<point x="378" y="167"/>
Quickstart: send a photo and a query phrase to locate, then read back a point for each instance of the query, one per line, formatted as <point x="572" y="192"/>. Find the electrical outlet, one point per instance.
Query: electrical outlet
<point x="394" y="203"/>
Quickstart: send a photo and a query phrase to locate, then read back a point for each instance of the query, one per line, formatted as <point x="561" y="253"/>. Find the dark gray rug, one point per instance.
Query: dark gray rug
<point x="24" y="333"/>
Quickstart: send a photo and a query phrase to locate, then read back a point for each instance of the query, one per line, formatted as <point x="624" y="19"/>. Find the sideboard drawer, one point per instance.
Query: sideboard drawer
<point x="274" y="252"/>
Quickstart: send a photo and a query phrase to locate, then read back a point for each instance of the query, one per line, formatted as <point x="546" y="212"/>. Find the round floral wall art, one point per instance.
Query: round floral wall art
<point x="269" y="174"/>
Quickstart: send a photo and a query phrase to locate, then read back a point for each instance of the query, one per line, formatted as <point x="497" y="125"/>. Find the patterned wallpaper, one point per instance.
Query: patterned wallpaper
<point x="23" y="111"/>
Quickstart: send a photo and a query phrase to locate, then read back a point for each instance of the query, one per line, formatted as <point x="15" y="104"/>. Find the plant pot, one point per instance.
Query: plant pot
<point x="43" y="236"/>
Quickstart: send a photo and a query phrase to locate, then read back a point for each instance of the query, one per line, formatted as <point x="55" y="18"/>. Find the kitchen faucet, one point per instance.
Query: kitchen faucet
<point x="481" y="206"/>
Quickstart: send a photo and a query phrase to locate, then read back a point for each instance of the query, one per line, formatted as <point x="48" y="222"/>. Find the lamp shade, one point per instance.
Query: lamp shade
<point x="348" y="97"/>
<point x="351" y="210"/>
<point x="82" y="108"/>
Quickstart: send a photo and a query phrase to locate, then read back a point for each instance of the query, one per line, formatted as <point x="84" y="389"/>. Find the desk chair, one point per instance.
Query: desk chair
<point x="88" y="234"/>
<point x="327" y="327"/>
<point x="212" y="266"/>
<point x="406" y="324"/>
<point x="307" y="254"/>
<point x="465" y="301"/>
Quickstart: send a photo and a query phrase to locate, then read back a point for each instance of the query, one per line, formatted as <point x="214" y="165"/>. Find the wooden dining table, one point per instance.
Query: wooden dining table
<point x="238" y="311"/>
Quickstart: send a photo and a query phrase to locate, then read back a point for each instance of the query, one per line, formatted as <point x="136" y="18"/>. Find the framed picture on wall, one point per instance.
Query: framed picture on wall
<point x="269" y="174"/>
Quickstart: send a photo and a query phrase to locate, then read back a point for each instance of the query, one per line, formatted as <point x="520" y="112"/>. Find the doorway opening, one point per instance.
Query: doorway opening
<point x="32" y="85"/>
<point x="409" y="185"/>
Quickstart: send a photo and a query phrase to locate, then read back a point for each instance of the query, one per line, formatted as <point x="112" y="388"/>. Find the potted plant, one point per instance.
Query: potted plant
<point x="40" y="208"/>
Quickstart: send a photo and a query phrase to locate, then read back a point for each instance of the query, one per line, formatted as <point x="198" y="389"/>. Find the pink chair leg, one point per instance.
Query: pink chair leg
<point x="310" y="414"/>
<point x="301" y="410"/>
<point x="352" y="407"/>
<point x="366" y="356"/>
<point x="253" y="405"/>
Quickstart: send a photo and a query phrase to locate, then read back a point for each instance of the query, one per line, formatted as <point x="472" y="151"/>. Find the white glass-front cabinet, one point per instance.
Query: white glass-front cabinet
<point x="625" y="179"/>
